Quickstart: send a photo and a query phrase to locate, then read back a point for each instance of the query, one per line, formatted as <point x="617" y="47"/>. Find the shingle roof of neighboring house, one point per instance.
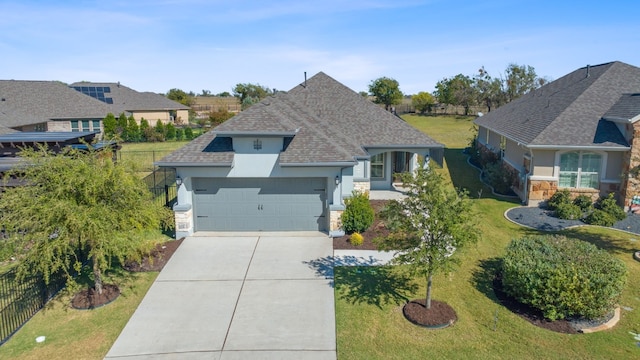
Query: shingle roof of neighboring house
<point x="33" y="102"/>
<point x="331" y="124"/>
<point x="569" y="111"/>
<point x="127" y="100"/>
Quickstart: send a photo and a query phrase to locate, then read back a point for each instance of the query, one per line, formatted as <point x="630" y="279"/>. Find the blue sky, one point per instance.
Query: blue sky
<point x="212" y="45"/>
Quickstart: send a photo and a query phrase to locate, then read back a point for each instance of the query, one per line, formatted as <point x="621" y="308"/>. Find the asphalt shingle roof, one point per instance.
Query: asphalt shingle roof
<point x="569" y="110"/>
<point x="33" y="102"/>
<point x="129" y="100"/>
<point x="331" y="123"/>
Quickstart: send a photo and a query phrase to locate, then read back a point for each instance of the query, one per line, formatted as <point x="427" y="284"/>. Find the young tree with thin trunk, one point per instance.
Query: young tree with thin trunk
<point x="428" y="226"/>
<point x="76" y="205"/>
<point x="386" y="91"/>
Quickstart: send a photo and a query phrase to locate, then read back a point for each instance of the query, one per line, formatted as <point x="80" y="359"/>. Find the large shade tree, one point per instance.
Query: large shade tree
<point x="76" y="205"/>
<point x="249" y="94"/>
<point x="385" y="91"/>
<point x="428" y="226"/>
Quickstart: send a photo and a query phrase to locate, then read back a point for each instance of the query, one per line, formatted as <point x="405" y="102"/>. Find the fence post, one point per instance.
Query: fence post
<point x="166" y="194"/>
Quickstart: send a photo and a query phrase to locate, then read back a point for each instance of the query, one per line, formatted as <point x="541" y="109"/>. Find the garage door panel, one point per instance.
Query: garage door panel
<point x="259" y="204"/>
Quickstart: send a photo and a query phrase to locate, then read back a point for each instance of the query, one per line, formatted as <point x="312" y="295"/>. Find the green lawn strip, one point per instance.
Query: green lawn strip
<point x="371" y="326"/>
<point x="79" y="334"/>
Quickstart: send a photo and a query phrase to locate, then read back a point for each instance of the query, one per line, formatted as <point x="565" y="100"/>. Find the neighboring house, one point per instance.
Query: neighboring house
<point x="580" y="132"/>
<point x="12" y="143"/>
<point x="38" y="106"/>
<point x="288" y="162"/>
<point x="147" y="105"/>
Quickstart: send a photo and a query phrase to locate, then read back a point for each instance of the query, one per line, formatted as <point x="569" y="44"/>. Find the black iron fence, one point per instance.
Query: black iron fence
<point x="20" y="299"/>
<point x="160" y="181"/>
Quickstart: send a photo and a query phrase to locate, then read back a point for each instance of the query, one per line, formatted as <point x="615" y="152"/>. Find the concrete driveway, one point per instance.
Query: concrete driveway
<point x="238" y="296"/>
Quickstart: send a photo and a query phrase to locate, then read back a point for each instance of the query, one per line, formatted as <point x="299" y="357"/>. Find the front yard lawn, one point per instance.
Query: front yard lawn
<point x="369" y="319"/>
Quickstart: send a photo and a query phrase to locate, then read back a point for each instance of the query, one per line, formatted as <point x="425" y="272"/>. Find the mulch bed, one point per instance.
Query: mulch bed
<point x="155" y="261"/>
<point x="377" y="229"/>
<point x="90" y="299"/>
<point x="438" y="316"/>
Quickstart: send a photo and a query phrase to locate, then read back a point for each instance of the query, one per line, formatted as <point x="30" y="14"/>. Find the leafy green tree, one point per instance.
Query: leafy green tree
<point x="219" y="116"/>
<point x="146" y="133"/>
<point x="519" y="80"/>
<point x="386" y="91"/>
<point x="249" y="94"/>
<point x="121" y="128"/>
<point x="429" y="225"/>
<point x="188" y="133"/>
<point x="159" y="130"/>
<point x="180" y="96"/>
<point x="85" y="202"/>
<point x="489" y="90"/>
<point x="457" y="90"/>
<point x="109" y="123"/>
<point x="170" y="131"/>
<point x="133" y="130"/>
<point x="224" y="94"/>
<point x="423" y="102"/>
<point x="179" y="134"/>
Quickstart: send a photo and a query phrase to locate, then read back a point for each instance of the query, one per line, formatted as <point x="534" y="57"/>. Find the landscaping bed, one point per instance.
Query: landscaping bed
<point x="377" y="229"/>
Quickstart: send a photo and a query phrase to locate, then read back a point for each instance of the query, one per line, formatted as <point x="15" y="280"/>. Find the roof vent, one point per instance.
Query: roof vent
<point x="305" y="79"/>
<point x="588" y="67"/>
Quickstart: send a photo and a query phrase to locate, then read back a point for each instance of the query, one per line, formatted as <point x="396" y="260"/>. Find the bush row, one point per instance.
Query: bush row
<point x="605" y="212"/>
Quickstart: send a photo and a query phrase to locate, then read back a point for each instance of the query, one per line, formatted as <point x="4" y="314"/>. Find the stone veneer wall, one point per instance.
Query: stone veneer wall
<point x="631" y="167"/>
<point x="362" y="186"/>
<point x="335" y="223"/>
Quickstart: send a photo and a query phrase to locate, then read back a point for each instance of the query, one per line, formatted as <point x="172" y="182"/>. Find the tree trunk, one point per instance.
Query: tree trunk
<point x="428" y="300"/>
<point x="97" y="275"/>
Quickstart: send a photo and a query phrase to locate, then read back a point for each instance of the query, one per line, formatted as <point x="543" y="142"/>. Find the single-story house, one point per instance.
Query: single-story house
<point x="288" y="162"/>
<point x="580" y="132"/>
<point x="39" y="106"/>
<point x="148" y="105"/>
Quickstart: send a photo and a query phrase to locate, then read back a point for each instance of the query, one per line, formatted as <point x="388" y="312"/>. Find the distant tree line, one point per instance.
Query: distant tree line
<point x="127" y="129"/>
<point x="481" y="89"/>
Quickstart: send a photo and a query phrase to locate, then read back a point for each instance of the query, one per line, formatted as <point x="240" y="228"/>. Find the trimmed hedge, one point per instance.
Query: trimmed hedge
<point x="358" y="215"/>
<point x="563" y="277"/>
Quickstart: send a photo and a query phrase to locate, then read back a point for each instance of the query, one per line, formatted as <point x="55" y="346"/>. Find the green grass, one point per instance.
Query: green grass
<point x="369" y="317"/>
<point x="78" y="334"/>
<point x="165" y="146"/>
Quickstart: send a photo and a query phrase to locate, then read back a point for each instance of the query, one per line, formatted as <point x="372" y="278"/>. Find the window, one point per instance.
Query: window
<point x="85" y="125"/>
<point x="74" y="126"/>
<point x="580" y="170"/>
<point x="377" y="166"/>
<point x="96" y="125"/>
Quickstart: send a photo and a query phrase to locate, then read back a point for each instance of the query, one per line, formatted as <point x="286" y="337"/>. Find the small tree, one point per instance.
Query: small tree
<point x="423" y="102"/>
<point x="170" y="131"/>
<point x="121" y="128"/>
<point x="85" y="202"/>
<point x="429" y="225"/>
<point x="145" y="130"/>
<point x="133" y="130"/>
<point x="110" y="123"/>
<point x="386" y="91"/>
<point x="188" y="133"/>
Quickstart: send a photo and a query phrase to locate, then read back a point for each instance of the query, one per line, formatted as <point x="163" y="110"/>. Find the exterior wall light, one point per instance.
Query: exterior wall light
<point x="337" y="180"/>
<point x="178" y="181"/>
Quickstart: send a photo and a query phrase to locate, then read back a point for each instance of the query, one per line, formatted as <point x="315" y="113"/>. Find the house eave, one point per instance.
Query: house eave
<point x="577" y="147"/>
<point x="254" y="133"/>
<point x="169" y="164"/>
<point x="321" y="164"/>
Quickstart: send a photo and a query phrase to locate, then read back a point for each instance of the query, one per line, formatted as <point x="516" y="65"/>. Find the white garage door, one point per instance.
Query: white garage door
<point x="271" y="204"/>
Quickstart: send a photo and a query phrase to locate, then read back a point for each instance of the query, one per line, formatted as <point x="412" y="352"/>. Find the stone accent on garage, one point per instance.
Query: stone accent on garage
<point x="361" y="186"/>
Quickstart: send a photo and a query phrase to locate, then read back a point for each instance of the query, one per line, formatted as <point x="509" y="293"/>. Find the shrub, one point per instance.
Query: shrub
<point x="568" y="211"/>
<point x="356" y="239"/>
<point x="600" y="217"/>
<point x="563" y="277"/>
<point x="560" y="197"/>
<point x="499" y="178"/>
<point x="359" y="214"/>
<point x="584" y="202"/>
<point x="610" y="206"/>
